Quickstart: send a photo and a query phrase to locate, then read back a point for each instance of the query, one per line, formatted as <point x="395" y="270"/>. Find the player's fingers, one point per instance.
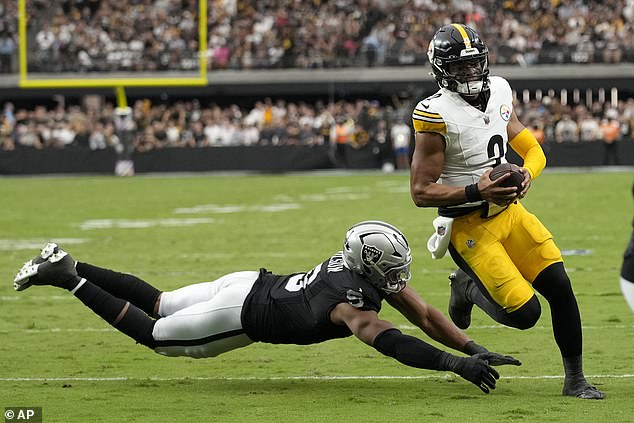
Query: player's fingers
<point x="494" y="372"/>
<point x="507" y="191"/>
<point x="489" y="380"/>
<point x="484" y="388"/>
<point x="512" y="360"/>
<point x="498" y="181"/>
<point x="501" y="360"/>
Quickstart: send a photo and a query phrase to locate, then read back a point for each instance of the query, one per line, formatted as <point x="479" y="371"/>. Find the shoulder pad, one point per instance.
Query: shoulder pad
<point x="425" y="119"/>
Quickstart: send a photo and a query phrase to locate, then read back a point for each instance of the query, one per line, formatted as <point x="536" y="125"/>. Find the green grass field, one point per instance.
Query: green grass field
<point x="172" y="231"/>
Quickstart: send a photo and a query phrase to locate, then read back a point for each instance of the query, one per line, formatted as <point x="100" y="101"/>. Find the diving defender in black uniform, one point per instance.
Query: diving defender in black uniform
<point x="340" y="297"/>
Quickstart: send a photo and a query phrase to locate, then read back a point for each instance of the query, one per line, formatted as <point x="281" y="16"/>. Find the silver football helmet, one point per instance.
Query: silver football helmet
<point x="380" y="252"/>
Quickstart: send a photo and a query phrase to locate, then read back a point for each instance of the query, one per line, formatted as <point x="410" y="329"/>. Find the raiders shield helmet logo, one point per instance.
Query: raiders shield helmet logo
<point x="370" y="254"/>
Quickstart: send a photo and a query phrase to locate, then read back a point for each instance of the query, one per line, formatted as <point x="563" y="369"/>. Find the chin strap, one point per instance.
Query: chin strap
<point x="480" y="101"/>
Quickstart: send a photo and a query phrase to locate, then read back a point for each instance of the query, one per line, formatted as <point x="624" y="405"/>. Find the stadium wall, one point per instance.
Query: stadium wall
<point x="347" y="81"/>
<point x="27" y="161"/>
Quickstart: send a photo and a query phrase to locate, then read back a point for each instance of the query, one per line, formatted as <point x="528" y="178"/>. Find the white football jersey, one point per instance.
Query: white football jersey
<point x="475" y="140"/>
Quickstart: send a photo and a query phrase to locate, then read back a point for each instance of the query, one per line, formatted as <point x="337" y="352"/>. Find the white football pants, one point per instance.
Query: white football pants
<point x="203" y="320"/>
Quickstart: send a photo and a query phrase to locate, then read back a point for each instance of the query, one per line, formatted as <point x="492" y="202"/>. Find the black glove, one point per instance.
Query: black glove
<point x="495" y="359"/>
<point x="471" y="348"/>
<point x="475" y="370"/>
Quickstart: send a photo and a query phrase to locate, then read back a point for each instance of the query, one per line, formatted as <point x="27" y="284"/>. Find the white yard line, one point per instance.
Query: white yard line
<point x="255" y="378"/>
<point x="409" y="327"/>
<point x="36" y="244"/>
<point x="35" y="297"/>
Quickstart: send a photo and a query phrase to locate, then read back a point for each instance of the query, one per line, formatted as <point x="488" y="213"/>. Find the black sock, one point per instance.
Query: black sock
<point x="121" y="285"/>
<point x="553" y="283"/>
<point x="573" y="368"/>
<point x="132" y="322"/>
<point x="137" y="325"/>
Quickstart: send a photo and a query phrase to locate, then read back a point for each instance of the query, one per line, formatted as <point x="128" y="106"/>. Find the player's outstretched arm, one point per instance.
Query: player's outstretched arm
<point x="438" y="327"/>
<point x="412" y="351"/>
<point x="431" y="321"/>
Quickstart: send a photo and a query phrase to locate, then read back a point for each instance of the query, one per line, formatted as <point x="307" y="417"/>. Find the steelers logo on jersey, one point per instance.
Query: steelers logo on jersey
<point x="505" y="112"/>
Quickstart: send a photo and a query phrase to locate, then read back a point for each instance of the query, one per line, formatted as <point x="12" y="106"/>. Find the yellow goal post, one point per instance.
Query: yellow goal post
<point x="27" y="80"/>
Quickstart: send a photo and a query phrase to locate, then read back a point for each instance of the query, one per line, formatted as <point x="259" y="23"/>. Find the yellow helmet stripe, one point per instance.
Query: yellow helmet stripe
<point x="465" y="37"/>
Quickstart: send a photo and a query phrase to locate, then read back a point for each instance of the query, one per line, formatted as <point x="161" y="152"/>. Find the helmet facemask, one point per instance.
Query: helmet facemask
<point x="396" y="279"/>
<point x="470" y="75"/>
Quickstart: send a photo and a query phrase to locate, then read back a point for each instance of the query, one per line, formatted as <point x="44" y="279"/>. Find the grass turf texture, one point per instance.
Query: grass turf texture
<point x="236" y="223"/>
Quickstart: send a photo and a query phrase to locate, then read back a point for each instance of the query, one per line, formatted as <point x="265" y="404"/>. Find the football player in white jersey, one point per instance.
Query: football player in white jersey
<point x="504" y="252"/>
<point x="340" y="297"/>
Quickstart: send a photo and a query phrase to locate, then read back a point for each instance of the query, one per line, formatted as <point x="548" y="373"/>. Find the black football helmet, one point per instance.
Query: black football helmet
<point x="459" y="60"/>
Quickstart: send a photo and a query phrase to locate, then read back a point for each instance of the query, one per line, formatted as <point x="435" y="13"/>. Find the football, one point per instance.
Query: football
<point x="516" y="178"/>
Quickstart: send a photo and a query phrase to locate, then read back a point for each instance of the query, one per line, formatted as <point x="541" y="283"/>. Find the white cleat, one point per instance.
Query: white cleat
<point x="48" y="250"/>
<point x="51" y="253"/>
<point x="21" y="280"/>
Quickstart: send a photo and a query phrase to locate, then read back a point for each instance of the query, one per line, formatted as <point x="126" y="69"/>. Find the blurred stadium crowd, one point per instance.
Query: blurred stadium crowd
<point x="280" y="122"/>
<point x="162" y="35"/>
<point x="147" y="35"/>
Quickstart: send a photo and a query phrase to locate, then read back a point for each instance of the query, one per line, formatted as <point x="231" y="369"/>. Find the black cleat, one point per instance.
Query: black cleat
<point x="52" y="267"/>
<point x="459" y="305"/>
<point x="583" y="391"/>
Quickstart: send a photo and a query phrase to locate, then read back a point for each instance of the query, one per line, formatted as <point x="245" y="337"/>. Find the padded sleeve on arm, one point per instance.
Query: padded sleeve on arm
<point x="526" y="145"/>
<point x="408" y="350"/>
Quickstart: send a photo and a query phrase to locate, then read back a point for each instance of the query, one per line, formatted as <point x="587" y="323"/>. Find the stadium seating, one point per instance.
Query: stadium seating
<point x="192" y="124"/>
<point x="109" y="35"/>
<point x="104" y="36"/>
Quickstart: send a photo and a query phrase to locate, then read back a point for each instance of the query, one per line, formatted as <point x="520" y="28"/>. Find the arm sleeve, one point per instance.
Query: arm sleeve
<point x="409" y="350"/>
<point x="526" y="145"/>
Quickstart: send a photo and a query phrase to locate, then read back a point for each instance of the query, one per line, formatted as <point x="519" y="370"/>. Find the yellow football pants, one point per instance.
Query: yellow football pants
<point x="506" y="252"/>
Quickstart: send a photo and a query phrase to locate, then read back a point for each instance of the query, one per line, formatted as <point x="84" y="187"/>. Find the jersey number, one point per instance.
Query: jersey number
<point x="495" y="149"/>
<point x="302" y="280"/>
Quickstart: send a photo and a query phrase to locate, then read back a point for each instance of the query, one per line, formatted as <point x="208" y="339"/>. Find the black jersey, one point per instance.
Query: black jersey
<point x="295" y="309"/>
